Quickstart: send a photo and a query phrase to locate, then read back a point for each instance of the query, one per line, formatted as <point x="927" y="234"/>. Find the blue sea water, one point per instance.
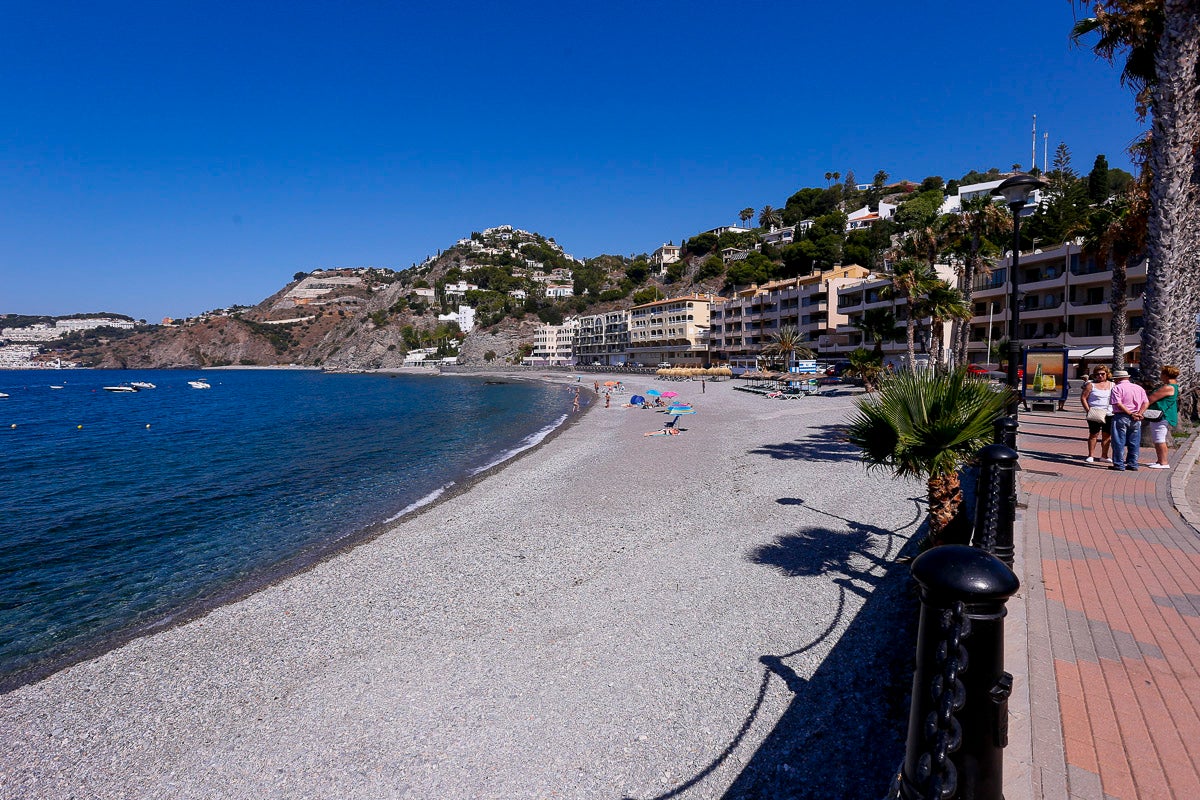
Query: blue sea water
<point x="119" y="512"/>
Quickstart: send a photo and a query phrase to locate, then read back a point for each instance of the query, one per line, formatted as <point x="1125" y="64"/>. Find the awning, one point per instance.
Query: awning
<point x="1096" y="352"/>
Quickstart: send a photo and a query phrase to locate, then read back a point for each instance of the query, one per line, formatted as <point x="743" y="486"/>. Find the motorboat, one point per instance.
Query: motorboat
<point x="200" y="384"/>
<point x="57" y="387"/>
<point x="142" y="385"/>
<point x="124" y="387"/>
<point x="2" y="395"/>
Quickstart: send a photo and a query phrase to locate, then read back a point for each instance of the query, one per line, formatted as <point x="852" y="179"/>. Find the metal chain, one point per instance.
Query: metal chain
<point x="991" y="503"/>
<point x="943" y="732"/>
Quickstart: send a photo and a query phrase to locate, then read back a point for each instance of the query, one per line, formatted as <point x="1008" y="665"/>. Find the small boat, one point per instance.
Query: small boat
<point x="200" y="384"/>
<point x="58" y="387"/>
<point x="2" y="395"/>
<point x="142" y="385"/>
<point x="124" y="387"/>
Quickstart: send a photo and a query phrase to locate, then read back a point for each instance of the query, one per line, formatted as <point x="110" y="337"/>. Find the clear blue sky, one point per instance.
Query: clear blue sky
<point x="167" y="158"/>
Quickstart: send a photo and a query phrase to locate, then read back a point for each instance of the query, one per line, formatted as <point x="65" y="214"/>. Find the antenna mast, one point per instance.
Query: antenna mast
<point x="1033" y="161"/>
<point x="1045" y="152"/>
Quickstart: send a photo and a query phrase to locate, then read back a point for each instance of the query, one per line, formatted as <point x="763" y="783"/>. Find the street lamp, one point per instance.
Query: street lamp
<point x="1015" y="191"/>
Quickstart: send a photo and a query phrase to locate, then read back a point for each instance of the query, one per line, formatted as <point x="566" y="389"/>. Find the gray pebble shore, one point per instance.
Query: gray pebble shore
<point x="703" y="615"/>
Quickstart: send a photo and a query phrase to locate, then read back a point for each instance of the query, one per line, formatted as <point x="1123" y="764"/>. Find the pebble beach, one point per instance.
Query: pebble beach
<point x="712" y="614"/>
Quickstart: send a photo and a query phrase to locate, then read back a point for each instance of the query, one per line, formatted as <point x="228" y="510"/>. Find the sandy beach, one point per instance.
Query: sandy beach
<point x="612" y="615"/>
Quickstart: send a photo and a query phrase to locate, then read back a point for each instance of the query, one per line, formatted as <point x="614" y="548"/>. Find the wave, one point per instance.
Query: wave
<point x="532" y="440"/>
<point x="424" y="501"/>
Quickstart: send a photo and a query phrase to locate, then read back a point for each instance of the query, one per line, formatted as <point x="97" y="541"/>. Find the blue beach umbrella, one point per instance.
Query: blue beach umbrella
<point x="679" y="411"/>
<point x="654" y="392"/>
<point x="636" y="400"/>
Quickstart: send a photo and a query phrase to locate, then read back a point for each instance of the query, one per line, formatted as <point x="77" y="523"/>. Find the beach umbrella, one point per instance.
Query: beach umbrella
<point x="668" y="394"/>
<point x="636" y="400"/>
<point x="654" y="392"/>
<point x="610" y="383"/>
<point x="680" y="410"/>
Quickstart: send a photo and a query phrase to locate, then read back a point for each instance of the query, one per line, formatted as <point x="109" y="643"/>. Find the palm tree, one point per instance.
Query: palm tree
<point x="1161" y="43"/>
<point x="746" y="214"/>
<point x="927" y="425"/>
<point x="911" y="279"/>
<point x="769" y="217"/>
<point x="866" y="366"/>
<point x="788" y="344"/>
<point x="828" y="178"/>
<point x="941" y="304"/>
<point x="981" y="222"/>
<point x="878" y="325"/>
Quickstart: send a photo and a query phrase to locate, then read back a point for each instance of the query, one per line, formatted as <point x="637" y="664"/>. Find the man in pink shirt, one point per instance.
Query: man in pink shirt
<point x="1128" y="402"/>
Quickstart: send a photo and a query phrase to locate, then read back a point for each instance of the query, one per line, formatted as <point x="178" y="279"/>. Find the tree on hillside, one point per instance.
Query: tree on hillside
<point x="1161" y="43"/>
<point x="1064" y="204"/>
<point x="769" y="217"/>
<point x="1097" y="181"/>
<point x="746" y="214"/>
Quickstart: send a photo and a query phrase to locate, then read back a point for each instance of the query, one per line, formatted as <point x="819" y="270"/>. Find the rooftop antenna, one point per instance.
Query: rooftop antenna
<point x="1045" y="152"/>
<point x="1033" y="161"/>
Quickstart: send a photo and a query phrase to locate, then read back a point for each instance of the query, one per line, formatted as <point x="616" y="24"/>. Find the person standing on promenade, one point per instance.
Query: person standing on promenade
<point x="1165" y="399"/>
<point x="1128" y="402"/>
<point x="1097" y="394"/>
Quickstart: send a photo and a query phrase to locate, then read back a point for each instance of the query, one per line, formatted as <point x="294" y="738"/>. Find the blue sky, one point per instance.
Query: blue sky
<point x="166" y="158"/>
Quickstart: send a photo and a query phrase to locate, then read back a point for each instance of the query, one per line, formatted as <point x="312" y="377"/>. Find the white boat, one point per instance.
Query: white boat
<point x="2" y="394"/>
<point x="122" y="388"/>
<point x="58" y="387"/>
<point x="142" y="385"/>
<point x="200" y="384"/>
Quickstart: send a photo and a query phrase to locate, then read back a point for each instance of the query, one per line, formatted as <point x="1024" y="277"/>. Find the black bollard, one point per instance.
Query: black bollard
<point x="1005" y="431"/>
<point x="958" y="723"/>
<point x="996" y="502"/>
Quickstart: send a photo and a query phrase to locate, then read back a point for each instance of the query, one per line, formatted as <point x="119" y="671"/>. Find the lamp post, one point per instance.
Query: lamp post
<point x="1015" y="191"/>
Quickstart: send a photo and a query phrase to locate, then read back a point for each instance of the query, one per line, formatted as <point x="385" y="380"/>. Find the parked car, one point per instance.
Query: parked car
<point x="977" y="369"/>
<point x="665" y="364"/>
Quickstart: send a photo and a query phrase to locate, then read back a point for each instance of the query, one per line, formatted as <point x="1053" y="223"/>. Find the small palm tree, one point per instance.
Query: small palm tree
<point x="911" y="279"/>
<point x="866" y="366"/>
<point x="927" y="425"/>
<point x="941" y="304"/>
<point x="745" y="215"/>
<point x="878" y="325"/>
<point x="787" y="344"/>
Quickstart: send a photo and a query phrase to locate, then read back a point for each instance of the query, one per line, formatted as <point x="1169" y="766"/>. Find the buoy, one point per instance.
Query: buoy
<point x="147" y="427"/>
<point x="13" y="425"/>
<point x="78" y="427"/>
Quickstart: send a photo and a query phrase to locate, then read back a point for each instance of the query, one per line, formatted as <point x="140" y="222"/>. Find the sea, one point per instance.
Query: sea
<point x="121" y="513"/>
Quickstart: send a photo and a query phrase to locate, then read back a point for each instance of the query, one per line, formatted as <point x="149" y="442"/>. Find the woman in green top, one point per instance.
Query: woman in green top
<point x="1166" y="399"/>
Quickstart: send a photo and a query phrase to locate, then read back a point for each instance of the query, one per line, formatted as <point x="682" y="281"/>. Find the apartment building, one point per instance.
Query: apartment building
<point x="856" y="299"/>
<point x="673" y="330"/>
<point x="554" y="345"/>
<point x="1065" y="301"/>
<point x="742" y="325"/>
<point x="603" y="338"/>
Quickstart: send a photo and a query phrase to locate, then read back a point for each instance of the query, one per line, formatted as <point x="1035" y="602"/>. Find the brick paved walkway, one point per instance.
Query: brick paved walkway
<point x="1111" y="605"/>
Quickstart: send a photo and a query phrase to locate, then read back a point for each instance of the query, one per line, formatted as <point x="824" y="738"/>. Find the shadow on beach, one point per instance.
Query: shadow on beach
<point x="823" y="443"/>
<point x="842" y="735"/>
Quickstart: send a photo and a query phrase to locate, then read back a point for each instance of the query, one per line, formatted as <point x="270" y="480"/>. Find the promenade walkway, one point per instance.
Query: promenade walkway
<point x="1108" y="655"/>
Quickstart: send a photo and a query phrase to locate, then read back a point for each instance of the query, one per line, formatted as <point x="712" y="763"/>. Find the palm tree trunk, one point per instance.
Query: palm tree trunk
<point x="1120" y="320"/>
<point x="910" y="338"/>
<point x="945" y="496"/>
<point x="1172" y="293"/>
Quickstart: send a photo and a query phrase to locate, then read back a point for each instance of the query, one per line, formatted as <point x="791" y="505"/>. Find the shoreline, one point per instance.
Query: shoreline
<point x="434" y="599"/>
<point x="299" y="563"/>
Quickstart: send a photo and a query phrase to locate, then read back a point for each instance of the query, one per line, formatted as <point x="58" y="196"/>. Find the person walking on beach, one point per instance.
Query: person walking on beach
<point x="575" y="405"/>
<point x="1096" y="398"/>
<point x="1128" y="402"/>
<point x="1164" y="399"/>
<point x="607" y="399"/>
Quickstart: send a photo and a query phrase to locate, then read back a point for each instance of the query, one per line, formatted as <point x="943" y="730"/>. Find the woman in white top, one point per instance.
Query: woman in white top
<point x="1097" y="393"/>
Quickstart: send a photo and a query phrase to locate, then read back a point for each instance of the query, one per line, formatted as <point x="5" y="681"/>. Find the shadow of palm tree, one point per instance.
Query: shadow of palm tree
<point x="823" y="443"/>
<point x="842" y="735"/>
